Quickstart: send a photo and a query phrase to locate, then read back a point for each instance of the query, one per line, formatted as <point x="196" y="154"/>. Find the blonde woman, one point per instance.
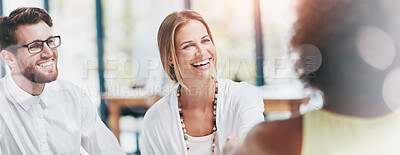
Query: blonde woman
<point x="199" y="113"/>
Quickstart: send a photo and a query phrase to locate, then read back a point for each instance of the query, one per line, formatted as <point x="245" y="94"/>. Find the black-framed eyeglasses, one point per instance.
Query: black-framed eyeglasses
<point x="37" y="46"/>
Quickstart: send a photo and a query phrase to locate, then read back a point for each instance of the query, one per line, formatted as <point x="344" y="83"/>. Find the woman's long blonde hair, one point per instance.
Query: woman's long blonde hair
<point x="166" y="41"/>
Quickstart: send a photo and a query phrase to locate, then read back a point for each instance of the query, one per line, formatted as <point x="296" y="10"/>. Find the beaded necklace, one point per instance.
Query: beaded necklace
<point x="185" y="135"/>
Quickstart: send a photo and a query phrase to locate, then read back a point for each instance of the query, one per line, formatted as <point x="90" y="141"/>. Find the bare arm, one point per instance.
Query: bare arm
<point x="273" y="138"/>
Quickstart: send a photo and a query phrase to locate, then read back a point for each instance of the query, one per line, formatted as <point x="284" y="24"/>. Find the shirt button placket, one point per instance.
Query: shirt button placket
<point x="42" y="130"/>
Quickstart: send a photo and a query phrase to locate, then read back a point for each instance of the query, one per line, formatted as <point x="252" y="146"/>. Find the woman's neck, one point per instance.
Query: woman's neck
<point x="198" y="93"/>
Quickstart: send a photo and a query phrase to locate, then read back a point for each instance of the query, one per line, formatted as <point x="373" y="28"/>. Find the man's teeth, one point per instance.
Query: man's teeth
<point x="46" y="64"/>
<point x="202" y="62"/>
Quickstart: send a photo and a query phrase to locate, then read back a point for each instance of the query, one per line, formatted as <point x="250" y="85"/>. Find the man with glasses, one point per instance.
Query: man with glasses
<point x="40" y="114"/>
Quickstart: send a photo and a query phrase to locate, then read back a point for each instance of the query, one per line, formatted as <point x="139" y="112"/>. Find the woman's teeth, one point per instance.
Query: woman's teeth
<point x="204" y="62"/>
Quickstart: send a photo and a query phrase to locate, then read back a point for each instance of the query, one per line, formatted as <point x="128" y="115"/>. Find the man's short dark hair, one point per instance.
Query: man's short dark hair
<point x="18" y="17"/>
<point x="2" y="18"/>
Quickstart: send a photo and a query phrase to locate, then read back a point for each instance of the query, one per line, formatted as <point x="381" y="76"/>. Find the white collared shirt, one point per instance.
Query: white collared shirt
<point x="58" y="121"/>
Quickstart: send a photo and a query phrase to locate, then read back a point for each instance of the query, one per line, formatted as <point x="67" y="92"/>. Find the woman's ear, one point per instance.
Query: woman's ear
<point x="9" y="58"/>
<point x="170" y="63"/>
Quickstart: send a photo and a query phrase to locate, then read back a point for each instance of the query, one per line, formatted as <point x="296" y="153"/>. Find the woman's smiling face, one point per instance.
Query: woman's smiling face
<point x="195" y="50"/>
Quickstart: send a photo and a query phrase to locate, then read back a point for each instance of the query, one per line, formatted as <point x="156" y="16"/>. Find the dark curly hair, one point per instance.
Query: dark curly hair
<point x="332" y="26"/>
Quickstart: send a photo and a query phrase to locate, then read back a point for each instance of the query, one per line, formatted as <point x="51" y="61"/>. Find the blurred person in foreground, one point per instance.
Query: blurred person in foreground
<point x="40" y="114"/>
<point x="358" y="41"/>
<point x="199" y="113"/>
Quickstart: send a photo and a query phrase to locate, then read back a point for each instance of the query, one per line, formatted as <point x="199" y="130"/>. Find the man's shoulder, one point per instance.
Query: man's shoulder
<point x="2" y="79"/>
<point x="63" y="85"/>
<point x="3" y="105"/>
<point x="2" y="84"/>
<point x="63" y="89"/>
<point x="3" y="91"/>
<point x="2" y="126"/>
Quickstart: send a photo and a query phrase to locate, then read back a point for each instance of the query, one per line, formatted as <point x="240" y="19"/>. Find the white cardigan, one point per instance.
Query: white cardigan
<point x="239" y="108"/>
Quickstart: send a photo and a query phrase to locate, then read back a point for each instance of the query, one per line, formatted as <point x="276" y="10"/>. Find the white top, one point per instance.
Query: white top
<point x="239" y="108"/>
<point x="202" y="145"/>
<point x="58" y="121"/>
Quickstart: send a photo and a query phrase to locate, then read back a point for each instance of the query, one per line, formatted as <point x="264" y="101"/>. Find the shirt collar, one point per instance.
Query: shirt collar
<point x="45" y="95"/>
<point x="24" y="99"/>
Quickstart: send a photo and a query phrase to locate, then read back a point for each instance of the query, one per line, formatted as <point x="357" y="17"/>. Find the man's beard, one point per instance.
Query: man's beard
<point x="32" y="75"/>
